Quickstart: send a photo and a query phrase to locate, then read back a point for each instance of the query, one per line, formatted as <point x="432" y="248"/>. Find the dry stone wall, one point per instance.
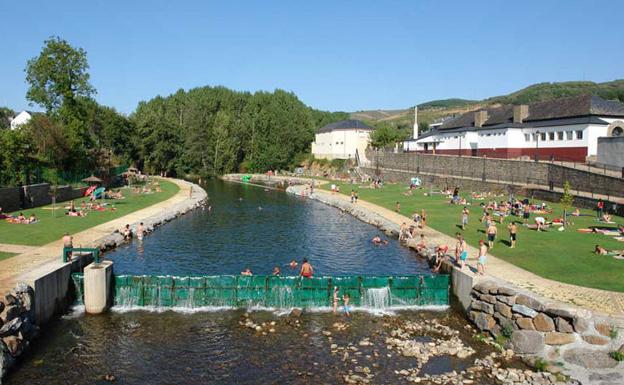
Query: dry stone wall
<point x="575" y="337"/>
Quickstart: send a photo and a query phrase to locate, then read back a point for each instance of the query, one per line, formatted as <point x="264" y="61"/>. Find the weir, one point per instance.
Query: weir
<point x="376" y="292"/>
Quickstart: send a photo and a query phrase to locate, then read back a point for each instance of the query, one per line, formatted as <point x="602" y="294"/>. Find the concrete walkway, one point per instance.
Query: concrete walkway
<point x="24" y="267"/>
<point x="601" y="301"/>
<point x="15" y="249"/>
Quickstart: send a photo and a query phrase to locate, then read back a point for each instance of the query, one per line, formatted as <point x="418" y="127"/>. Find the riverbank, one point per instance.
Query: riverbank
<point x="531" y="324"/>
<point x="37" y="281"/>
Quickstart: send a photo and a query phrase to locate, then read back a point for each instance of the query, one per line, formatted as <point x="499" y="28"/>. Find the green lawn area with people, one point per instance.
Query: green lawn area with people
<point x="565" y="256"/>
<point x="51" y="223"/>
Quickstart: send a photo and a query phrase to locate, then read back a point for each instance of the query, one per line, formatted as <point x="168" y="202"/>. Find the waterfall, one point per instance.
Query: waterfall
<point x="377" y="298"/>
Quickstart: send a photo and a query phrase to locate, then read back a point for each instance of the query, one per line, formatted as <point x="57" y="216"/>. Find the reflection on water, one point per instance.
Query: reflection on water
<point x="236" y="234"/>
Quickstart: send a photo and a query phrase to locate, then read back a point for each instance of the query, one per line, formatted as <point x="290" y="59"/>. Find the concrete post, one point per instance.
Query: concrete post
<point x="97" y="285"/>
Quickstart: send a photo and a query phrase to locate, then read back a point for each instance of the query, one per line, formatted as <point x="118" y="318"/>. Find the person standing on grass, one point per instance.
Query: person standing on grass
<point x="599" y="209"/>
<point x="513" y="234"/>
<point x="526" y="213"/>
<point x="491" y="234"/>
<point x="397" y="207"/>
<point x="464" y="219"/>
<point x="482" y="257"/>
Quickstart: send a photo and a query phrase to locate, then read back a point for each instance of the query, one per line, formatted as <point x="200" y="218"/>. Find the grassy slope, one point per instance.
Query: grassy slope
<point x="562" y="256"/>
<point x="50" y="227"/>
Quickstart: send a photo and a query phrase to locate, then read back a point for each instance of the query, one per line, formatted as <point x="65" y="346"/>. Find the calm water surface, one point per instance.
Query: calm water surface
<point x="249" y="226"/>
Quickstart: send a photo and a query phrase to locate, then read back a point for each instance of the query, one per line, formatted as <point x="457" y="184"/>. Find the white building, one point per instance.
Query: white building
<point x="340" y="140"/>
<point x="562" y="129"/>
<point x="21" y="119"/>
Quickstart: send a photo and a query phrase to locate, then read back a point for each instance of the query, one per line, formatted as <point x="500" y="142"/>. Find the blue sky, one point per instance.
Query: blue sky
<point x="335" y="55"/>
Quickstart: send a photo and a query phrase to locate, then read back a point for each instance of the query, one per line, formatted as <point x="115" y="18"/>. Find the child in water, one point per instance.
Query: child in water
<point x="345" y="306"/>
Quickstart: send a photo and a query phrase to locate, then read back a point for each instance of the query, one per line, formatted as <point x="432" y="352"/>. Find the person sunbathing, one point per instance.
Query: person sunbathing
<point x="32" y="218"/>
<point x="606" y="218"/>
<point x="599" y="250"/>
<point x="576" y="213"/>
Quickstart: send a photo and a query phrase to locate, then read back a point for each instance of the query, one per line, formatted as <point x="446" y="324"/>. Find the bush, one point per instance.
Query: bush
<point x="616" y="355"/>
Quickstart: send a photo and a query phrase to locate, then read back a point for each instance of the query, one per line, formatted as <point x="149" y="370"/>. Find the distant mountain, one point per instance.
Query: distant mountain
<point x="436" y="109"/>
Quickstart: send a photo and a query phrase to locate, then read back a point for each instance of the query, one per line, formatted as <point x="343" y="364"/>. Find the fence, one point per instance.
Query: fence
<point x="275" y="292"/>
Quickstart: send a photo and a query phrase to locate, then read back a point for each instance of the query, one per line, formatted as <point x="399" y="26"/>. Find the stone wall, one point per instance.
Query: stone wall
<point x="17" y="328"/>
<point x="576" y="337"/>
<point x="504" y="171"/>
<point x="18" y="198"/>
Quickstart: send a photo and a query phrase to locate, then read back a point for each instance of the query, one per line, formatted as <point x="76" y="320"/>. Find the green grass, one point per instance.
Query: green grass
<point x="5" y="255"/>
<point x="565" y="256"/>
<point x="53" y="224"/>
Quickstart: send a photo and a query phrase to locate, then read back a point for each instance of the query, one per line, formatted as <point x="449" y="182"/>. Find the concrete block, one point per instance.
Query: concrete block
<point x="97" y="286"/>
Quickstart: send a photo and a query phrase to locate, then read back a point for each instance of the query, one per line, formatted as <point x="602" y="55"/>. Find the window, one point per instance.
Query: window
<point x="551" y="136"/>
<point x="543" y="136"/>
<point x="579" y="134"/>
<point x="560" y="135"/>
<point x="527" y="137"/>
<point x="569" y="135"/>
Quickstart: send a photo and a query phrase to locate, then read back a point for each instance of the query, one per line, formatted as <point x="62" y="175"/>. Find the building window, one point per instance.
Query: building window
<point x="551" y="136"/>
<point x="543" y="136"/>
<point x="579" y="134"/>
<point x="559" y="135"/>
<point x="527" y="137"/>
<point x="569" y="135"/>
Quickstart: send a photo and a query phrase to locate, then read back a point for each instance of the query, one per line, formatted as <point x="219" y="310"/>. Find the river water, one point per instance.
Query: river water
<point x="256" y="228"/>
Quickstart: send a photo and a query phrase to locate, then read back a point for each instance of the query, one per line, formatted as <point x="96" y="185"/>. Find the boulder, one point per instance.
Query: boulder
<point x="527" y="342"/>
<point x="505" y="290"/>
<point x="556" y="338"/>
<point x="503" y="310"/>
<point x="621" y="349"/>
<point x="560" y="310"/>
<point x="11" y="328"/>
<point x="563" y="325"/>
<point x="543" y="323"/>
<point x="488" y="298"/>
<point x="589" y="358"/>
<point x="507" y="300"/>
<point x="530" y="302"/>
<point x="484" y="321"/>
<point x="580" y="323"/>
<point x="482" y="306"/>
<point x="525" y="323"/>
<point x="486" y="287"/>
<point x="524" y="310"/>
<point x="296" y="312"/>
<point x="595" y="339"/>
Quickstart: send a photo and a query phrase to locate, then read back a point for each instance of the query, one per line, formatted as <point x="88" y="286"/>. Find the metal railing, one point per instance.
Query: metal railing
<point x="67" y="251"/>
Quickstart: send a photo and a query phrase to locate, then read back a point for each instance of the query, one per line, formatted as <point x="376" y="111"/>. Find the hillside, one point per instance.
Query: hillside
<point x="431" y="111"/>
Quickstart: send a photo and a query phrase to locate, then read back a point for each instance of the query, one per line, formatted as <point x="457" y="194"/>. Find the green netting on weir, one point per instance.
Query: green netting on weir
<point x="275" y="292"/>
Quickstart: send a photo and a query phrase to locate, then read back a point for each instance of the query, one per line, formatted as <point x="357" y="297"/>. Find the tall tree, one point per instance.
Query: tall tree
<point x="58" y="75"/>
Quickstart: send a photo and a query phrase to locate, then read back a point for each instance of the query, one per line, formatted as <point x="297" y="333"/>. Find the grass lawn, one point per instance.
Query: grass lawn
<point x="53" y="224"/>
<point x="4" y="255"/>
<point x="565" y="256"/>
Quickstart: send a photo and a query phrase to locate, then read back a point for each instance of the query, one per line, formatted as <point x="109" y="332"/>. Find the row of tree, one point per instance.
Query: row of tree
<point x="204" y="131"/>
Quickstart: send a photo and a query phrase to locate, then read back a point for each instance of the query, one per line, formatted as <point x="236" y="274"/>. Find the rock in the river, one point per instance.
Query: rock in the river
<point x="296" y="312"/>
<point x="527" y="341"/>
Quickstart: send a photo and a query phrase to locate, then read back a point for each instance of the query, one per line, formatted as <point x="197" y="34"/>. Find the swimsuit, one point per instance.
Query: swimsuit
<point x="482" y="259"/>
<point x="463" y="255"/>
<point x="491" y="237"/>
<point x="513" y="236"/>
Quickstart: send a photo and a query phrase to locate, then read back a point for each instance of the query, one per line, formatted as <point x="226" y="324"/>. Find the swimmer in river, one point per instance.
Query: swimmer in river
<point x="293" y="264"/>
<point x="247" y="271"/>
<point x="140" y="231"/>
<point x="336" y="299"/>
<point x="378" y="241"/>
<point x="306" y="269"/>
<point x="277" y="271"/>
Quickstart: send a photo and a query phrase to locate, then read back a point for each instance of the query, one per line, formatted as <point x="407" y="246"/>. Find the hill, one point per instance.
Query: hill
<point x="436" y="109"/>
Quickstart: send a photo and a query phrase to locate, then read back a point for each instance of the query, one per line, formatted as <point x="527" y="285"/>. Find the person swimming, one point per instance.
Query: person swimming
<point x="277" y="271"/>
<point x="247" y="272"/>
<point x="293" y="264"/>
<point x="306" y="269"/>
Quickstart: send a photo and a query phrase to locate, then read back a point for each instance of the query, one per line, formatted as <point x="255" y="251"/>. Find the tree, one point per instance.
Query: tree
<point x="58" y="75"/>
<point x="567" y="201"/>
<point x="5" y="117"/>
<point x="385" y="136"/>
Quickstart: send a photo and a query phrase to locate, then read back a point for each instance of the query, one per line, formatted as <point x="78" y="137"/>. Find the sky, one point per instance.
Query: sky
<point x="334" y="55"/>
